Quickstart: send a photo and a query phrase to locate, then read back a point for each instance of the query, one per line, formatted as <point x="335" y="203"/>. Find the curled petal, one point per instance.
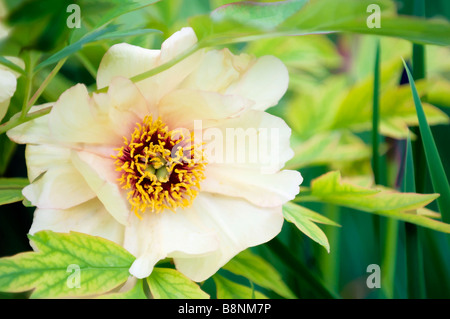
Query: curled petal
<point x="237" y="225"/>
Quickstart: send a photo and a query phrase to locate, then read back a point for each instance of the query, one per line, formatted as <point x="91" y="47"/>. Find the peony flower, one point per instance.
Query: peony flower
<point x="139" y="165"/>
<point x="8" y="84"/>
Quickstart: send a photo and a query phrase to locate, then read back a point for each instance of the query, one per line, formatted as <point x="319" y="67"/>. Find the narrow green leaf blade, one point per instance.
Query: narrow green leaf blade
<point x="260" y="272"/>
<point x="376" y="138"/>
<point x="11" y="65"/>
<point x="262" y="15"/>
<point x="167" y="283"/>
<point x="227" y="289"/>
<point x="67" y="265"/>
<point x="109" y="32"/>
<point x="435" y="167"/>
<point x="118" y="8"/>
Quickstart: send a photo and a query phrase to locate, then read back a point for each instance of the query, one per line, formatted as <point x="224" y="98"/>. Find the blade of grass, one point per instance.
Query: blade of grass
<point x="438" y="177"/>
<point x="330" y="262"/>
<point x="414" y="259"/>
<point x="379" y="170"/>
<point x="376" y="117"/>
<point x="389" y="258"/>
<point x="300" y="270"/>
<point x="418" y="58"/>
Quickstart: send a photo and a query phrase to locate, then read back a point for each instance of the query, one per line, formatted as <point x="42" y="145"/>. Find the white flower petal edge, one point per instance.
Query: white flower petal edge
<point x="33" y="132"/>
<point x="183" y="107"/>
<point x="89" y="217"/>
<point x="8" y="84"/>
<point x="265" y="83"/>
<point x="129" y="60"/>
<point x="266" y="190"/>
<point x="237" y="225"/>
<point x="168" y="234"/>
<point x="97" y="172"/>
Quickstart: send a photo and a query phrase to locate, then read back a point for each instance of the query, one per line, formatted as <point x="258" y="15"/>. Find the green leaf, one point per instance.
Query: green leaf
<point x="67" y="265"/>
<point x="11" y="65"/>
<point x="259" y="271"/>
<point x="435" y="167"/>
<point x="238" y="22"/>
<point x="111" y="9"/>
<point x="329" y="188"/>
<point x="14" y="182"/>
<point x="376" y="137"/>
<point x="227" y="289"/>
<point x="165" y="283"/>
<point x="304" y="219"/>
<point x="352" y="15"/>
<point x="262" y="15"/>
<point x="109" y="32"/>
<point x="8" y="196"/>
<point x="11" y="190"/>
<point x="136" y="292"/>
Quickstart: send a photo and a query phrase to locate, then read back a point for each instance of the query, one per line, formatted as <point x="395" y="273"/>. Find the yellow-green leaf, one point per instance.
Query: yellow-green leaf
<point x="165" y="283"/>
<point x="329" y="188"/>
<point x="67" y="265"/>
<point x="227" y="289"/>
<point x="304" y="219"/>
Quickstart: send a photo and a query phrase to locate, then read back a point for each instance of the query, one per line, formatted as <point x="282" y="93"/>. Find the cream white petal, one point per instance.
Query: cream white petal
<point x="238" y="225"/>
<point x="60" y="187"/>
<point x="90" y="218"/>
<point x="99" y="173"/>
<point x="40" y="158"/>
<point x="217" y="71"/>
<point x="8" y="84"/>
<point x="128" y="60"/>
<point x="125" y="60"/>
<point x="33" y="132"/>
<point x="260" y="189"/>
<point x="158" y="236"/>
<point x="265" y="82"/>
<point x="76" y="118"/>
<point x="124" y="105"/>
<point x="4" y="108"/>
<point x="180" y="108"/>
<point x="255" y="140"/>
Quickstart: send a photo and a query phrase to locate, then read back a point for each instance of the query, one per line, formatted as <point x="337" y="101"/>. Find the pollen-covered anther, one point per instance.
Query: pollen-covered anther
<point x="161" y="169"/>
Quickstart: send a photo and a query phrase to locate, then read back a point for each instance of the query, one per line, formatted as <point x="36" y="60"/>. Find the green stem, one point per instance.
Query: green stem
<point x="415" y="180"/>
<point x="330" y="262"/>
<point x="414" y="260"/>
<point x="160" y="68"/>
<point x="389" y="258"/>
<point x="418" y="70"/>
<point x="44" y="84"/>
<point x="29" y="83"/>
<point x="18" y="120"/>
<point x="376" y="118"/>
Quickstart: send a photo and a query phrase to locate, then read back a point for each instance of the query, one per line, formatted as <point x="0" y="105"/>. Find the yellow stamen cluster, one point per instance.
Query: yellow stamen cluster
<point x="162" y="169"/>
